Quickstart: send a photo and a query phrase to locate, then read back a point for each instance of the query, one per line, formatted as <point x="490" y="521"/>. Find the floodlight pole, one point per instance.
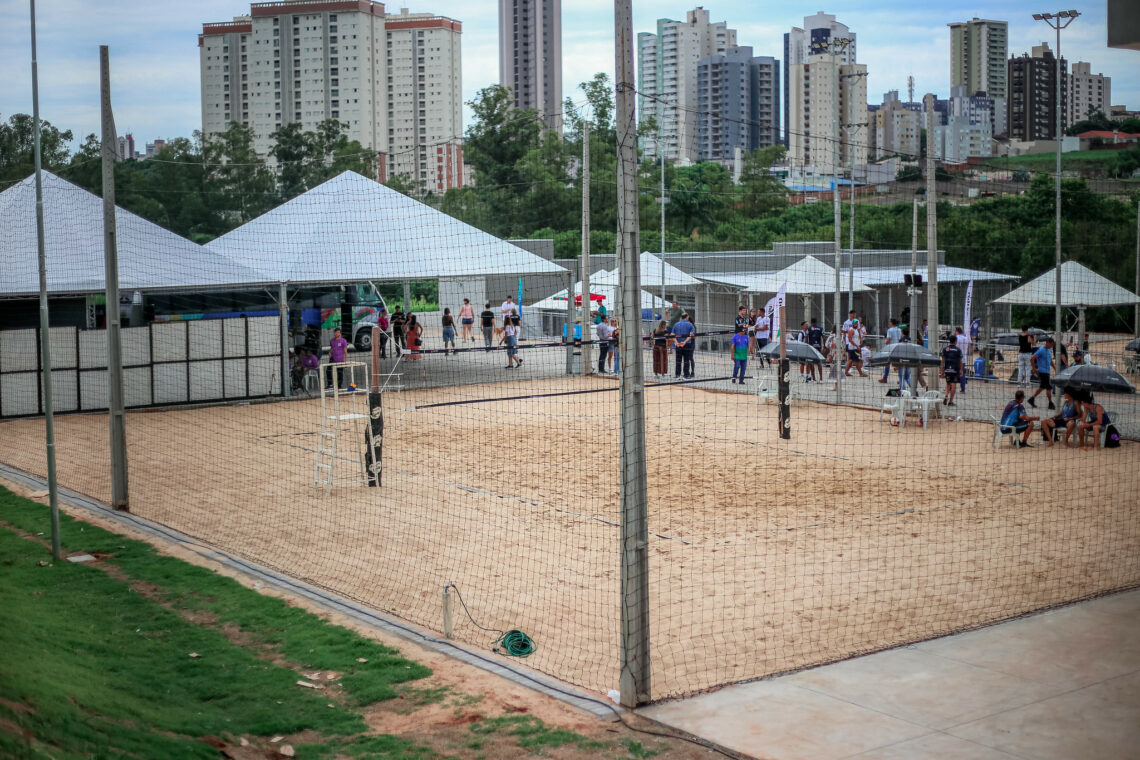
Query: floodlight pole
<point x="117" y="413"/>
<point x="835" y="44"/>
<point x="1058" y="21"/>
<point x="661" y="153"/>
<point x="931" y="239"/>
<point x="45" y="346"/>
<point x="587" y="304"/>
<point x="634" y="650"/>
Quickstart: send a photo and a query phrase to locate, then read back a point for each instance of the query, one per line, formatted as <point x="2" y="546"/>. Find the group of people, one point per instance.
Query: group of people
<point x="403" y="330"/>
<point x="1080" y="416"/>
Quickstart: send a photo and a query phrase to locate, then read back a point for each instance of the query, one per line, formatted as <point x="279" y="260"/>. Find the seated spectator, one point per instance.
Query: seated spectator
<point x="1067" y="419"/>
<point x="1096" y="419"/>
<point x="1014" y="416"/>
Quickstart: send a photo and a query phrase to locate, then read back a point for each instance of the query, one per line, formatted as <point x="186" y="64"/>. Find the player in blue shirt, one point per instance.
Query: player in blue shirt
<point x="685" y="345"/>
<point x="740" y="353"/>
<point x="1014" y="416"/>
<point x="1043" y="356"/>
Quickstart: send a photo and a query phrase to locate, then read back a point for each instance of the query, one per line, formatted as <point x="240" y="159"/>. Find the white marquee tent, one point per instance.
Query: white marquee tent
<point x="354" y="228"/>
<point x="650" y="270"/>
<point x="1080" y="287"/>
<point x="557" y="302"/>
<point x="150" y="258"/>
<point x="808" y="276"/>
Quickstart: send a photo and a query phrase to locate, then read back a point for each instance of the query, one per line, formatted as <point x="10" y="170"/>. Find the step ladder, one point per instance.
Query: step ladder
<point x="337" y="420"/>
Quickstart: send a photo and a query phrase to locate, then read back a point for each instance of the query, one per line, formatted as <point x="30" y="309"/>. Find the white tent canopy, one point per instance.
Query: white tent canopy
<point x="1080" y="286"/>
<point x="353" y="228"/>
<point x="650" y="270"/>
<point x="557" y="302"/>
<point x="808" y="276"/>
<point x="150" y="258"/>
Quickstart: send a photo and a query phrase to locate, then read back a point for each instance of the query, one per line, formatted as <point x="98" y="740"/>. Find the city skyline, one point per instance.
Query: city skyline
<point x="155" y="66"/>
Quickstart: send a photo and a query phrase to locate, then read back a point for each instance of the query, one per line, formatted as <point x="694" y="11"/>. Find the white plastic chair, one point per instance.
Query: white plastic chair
<point x="896" y="405"/>
<point x="1001" y="430"/>
<point x="926" y="403"/>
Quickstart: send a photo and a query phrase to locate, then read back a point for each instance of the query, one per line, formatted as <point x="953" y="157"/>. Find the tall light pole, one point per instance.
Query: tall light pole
<point x="835" y="44"/>
<point x="1058" y="21"/>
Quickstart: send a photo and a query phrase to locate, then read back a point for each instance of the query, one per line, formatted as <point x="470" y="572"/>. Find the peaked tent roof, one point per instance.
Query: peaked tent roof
<point x="354" y="228"/>
<point x="650" y="266"/>
<point x="807" y="276"/>
<point x="1080" y="286"/>
<point x="557" y="302"/>
<point x="150" y="257"/>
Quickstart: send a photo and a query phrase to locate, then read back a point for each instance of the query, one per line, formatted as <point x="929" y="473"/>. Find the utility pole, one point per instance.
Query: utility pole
<point x="1136" y="308"/>
<point x="45" y="323"/>
<point x="662" y="154"/>
<point x="835" y="44"/>
<point x="584" y="259"/>
<point x="634" y="650"/>
<point x="1058" y="21"/>
<point x="851" y="223"/>
<point x="118" y="417"/>
<point x="931" y="238"/>
<point x="912" y="291"/>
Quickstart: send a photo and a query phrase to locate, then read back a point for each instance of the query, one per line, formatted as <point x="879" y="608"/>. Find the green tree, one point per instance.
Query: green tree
<point x="499" y="137"/>
<point x="17" y="159"/>
<point x="290" y="150"/>
<point x="241" y="186"/>
<point x="761" y="192"/>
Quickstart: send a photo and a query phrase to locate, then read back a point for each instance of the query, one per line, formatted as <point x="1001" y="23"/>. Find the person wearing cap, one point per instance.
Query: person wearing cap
<point x="1043" y="356"/>
<point x="853" y="343"/>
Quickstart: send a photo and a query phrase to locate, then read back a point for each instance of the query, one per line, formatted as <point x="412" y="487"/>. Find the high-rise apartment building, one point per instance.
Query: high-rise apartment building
<point x="530" y="56"/>
<point x="393" y="80"/>
<point x="814" y="38"/>
<point x="978" y="52"/>
<point x="667" y="80"/>
<point x="738" y="97"/>
<point x="1088" y="92"/>
<point x="1031" y="110"/>
<point x="894" y="129"/>
<point x="812" y="90"/>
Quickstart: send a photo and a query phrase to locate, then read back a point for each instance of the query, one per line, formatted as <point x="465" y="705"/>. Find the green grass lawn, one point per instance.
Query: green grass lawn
<point x="96" y="662"/>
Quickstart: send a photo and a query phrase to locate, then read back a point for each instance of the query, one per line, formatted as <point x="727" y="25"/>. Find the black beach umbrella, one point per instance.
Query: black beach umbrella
<point x="802" y="353"/>
<point x="904" y="355"/>
<point x="1093" y="378"/>
<point x="1133" y="345"/>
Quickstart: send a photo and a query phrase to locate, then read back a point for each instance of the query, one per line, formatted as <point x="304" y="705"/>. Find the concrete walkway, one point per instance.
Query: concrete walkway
<point x="1061" y="685"/>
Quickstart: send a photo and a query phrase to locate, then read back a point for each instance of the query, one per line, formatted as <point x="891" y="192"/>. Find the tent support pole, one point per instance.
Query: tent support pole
<point x="569" y="338"/>
<point x="1080" y="328"/>
<point x="407" y="296"/>
<point x="283" y="311"/>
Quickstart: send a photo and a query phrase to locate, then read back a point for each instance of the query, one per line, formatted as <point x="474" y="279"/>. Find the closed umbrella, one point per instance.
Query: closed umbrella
<point x="803" y="353"/>
<point x="1092" y="377"/>
<point x="1133" y="345"/>
<point x="904" y="355"/>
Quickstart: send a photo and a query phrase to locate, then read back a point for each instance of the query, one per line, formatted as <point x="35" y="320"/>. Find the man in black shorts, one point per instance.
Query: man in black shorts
<point x="951" y="370"/>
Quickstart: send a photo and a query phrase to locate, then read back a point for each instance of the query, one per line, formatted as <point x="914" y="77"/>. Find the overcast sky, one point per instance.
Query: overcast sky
<point x="154" y="53"/>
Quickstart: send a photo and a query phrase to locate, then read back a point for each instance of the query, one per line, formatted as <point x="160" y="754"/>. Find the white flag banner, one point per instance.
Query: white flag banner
<point x="781" y="299"/>
<point x="966" y="311"/>
<point x="771" y="311"/>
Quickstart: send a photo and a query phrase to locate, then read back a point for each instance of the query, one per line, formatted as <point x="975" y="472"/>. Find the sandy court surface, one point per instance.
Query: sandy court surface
<point x="765" y="554"/>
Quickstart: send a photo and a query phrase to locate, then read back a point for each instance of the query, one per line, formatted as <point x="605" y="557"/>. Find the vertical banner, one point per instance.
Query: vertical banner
<point x="780" y="302"/>
<point x="966" y="323"/>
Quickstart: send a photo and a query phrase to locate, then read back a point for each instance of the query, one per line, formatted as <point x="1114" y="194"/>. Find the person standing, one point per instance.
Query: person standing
<point x="741" y="319"/>
<point x="487" y="324"/>
<point x="952" y="361"/>
<point x="383" y="325"/>
<point x="413" y="334"/>
<point x="853" y="346"/>
<point x="602" y="330"/>
<point x="893" y="337"/>
<point x="683" y="333"/>
<point x="752" y="331"/>
<point x="815" y="340"/>
<point x="740" y="353"/>
<point x="338" y="354"/>
<point x="399" y="335"/>
<point x="763" y="334"/>
<point x="507" y="307"/>
<point x="448" y="325"/>
<point x="511" y="338"/>
<point x="467" y="320"/>
<point x="615" y="344"/>
<point x="963" y="346"/>
<point x="1044" y="358"/>
<point x="1024" y="355"/>
<point x="661" y="349"/>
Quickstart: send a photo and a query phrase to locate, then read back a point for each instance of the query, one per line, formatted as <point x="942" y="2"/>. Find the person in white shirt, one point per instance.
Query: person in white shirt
<point x="853" y="342"/>
<point x="511" y="338"/>
<point x="507" y="307"/>
<point x="894" y="335"/>
<point x="604" y="332"/>
<point x="763" y="334"/>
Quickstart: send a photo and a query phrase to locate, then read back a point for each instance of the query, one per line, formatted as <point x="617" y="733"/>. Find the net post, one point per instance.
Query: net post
<point x="117" y="414"/>
<point x="783" y="382"/>
<point x="283" y="312"/>
<point x="569" y="336"/>
<point x="584" y="262"/>
<point x="634" y="650"/>
<point x="931" y="239"/>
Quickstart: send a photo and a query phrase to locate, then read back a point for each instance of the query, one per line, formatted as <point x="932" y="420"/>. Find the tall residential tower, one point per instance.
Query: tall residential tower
<point x="978" y="52"/>
<point x="530" y="56"/>
<point x="393" y="80"/>
<point x="812" y="39"/>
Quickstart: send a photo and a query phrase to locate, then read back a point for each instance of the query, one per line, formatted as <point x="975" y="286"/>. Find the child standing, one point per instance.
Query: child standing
<point x="739" y="355"/>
